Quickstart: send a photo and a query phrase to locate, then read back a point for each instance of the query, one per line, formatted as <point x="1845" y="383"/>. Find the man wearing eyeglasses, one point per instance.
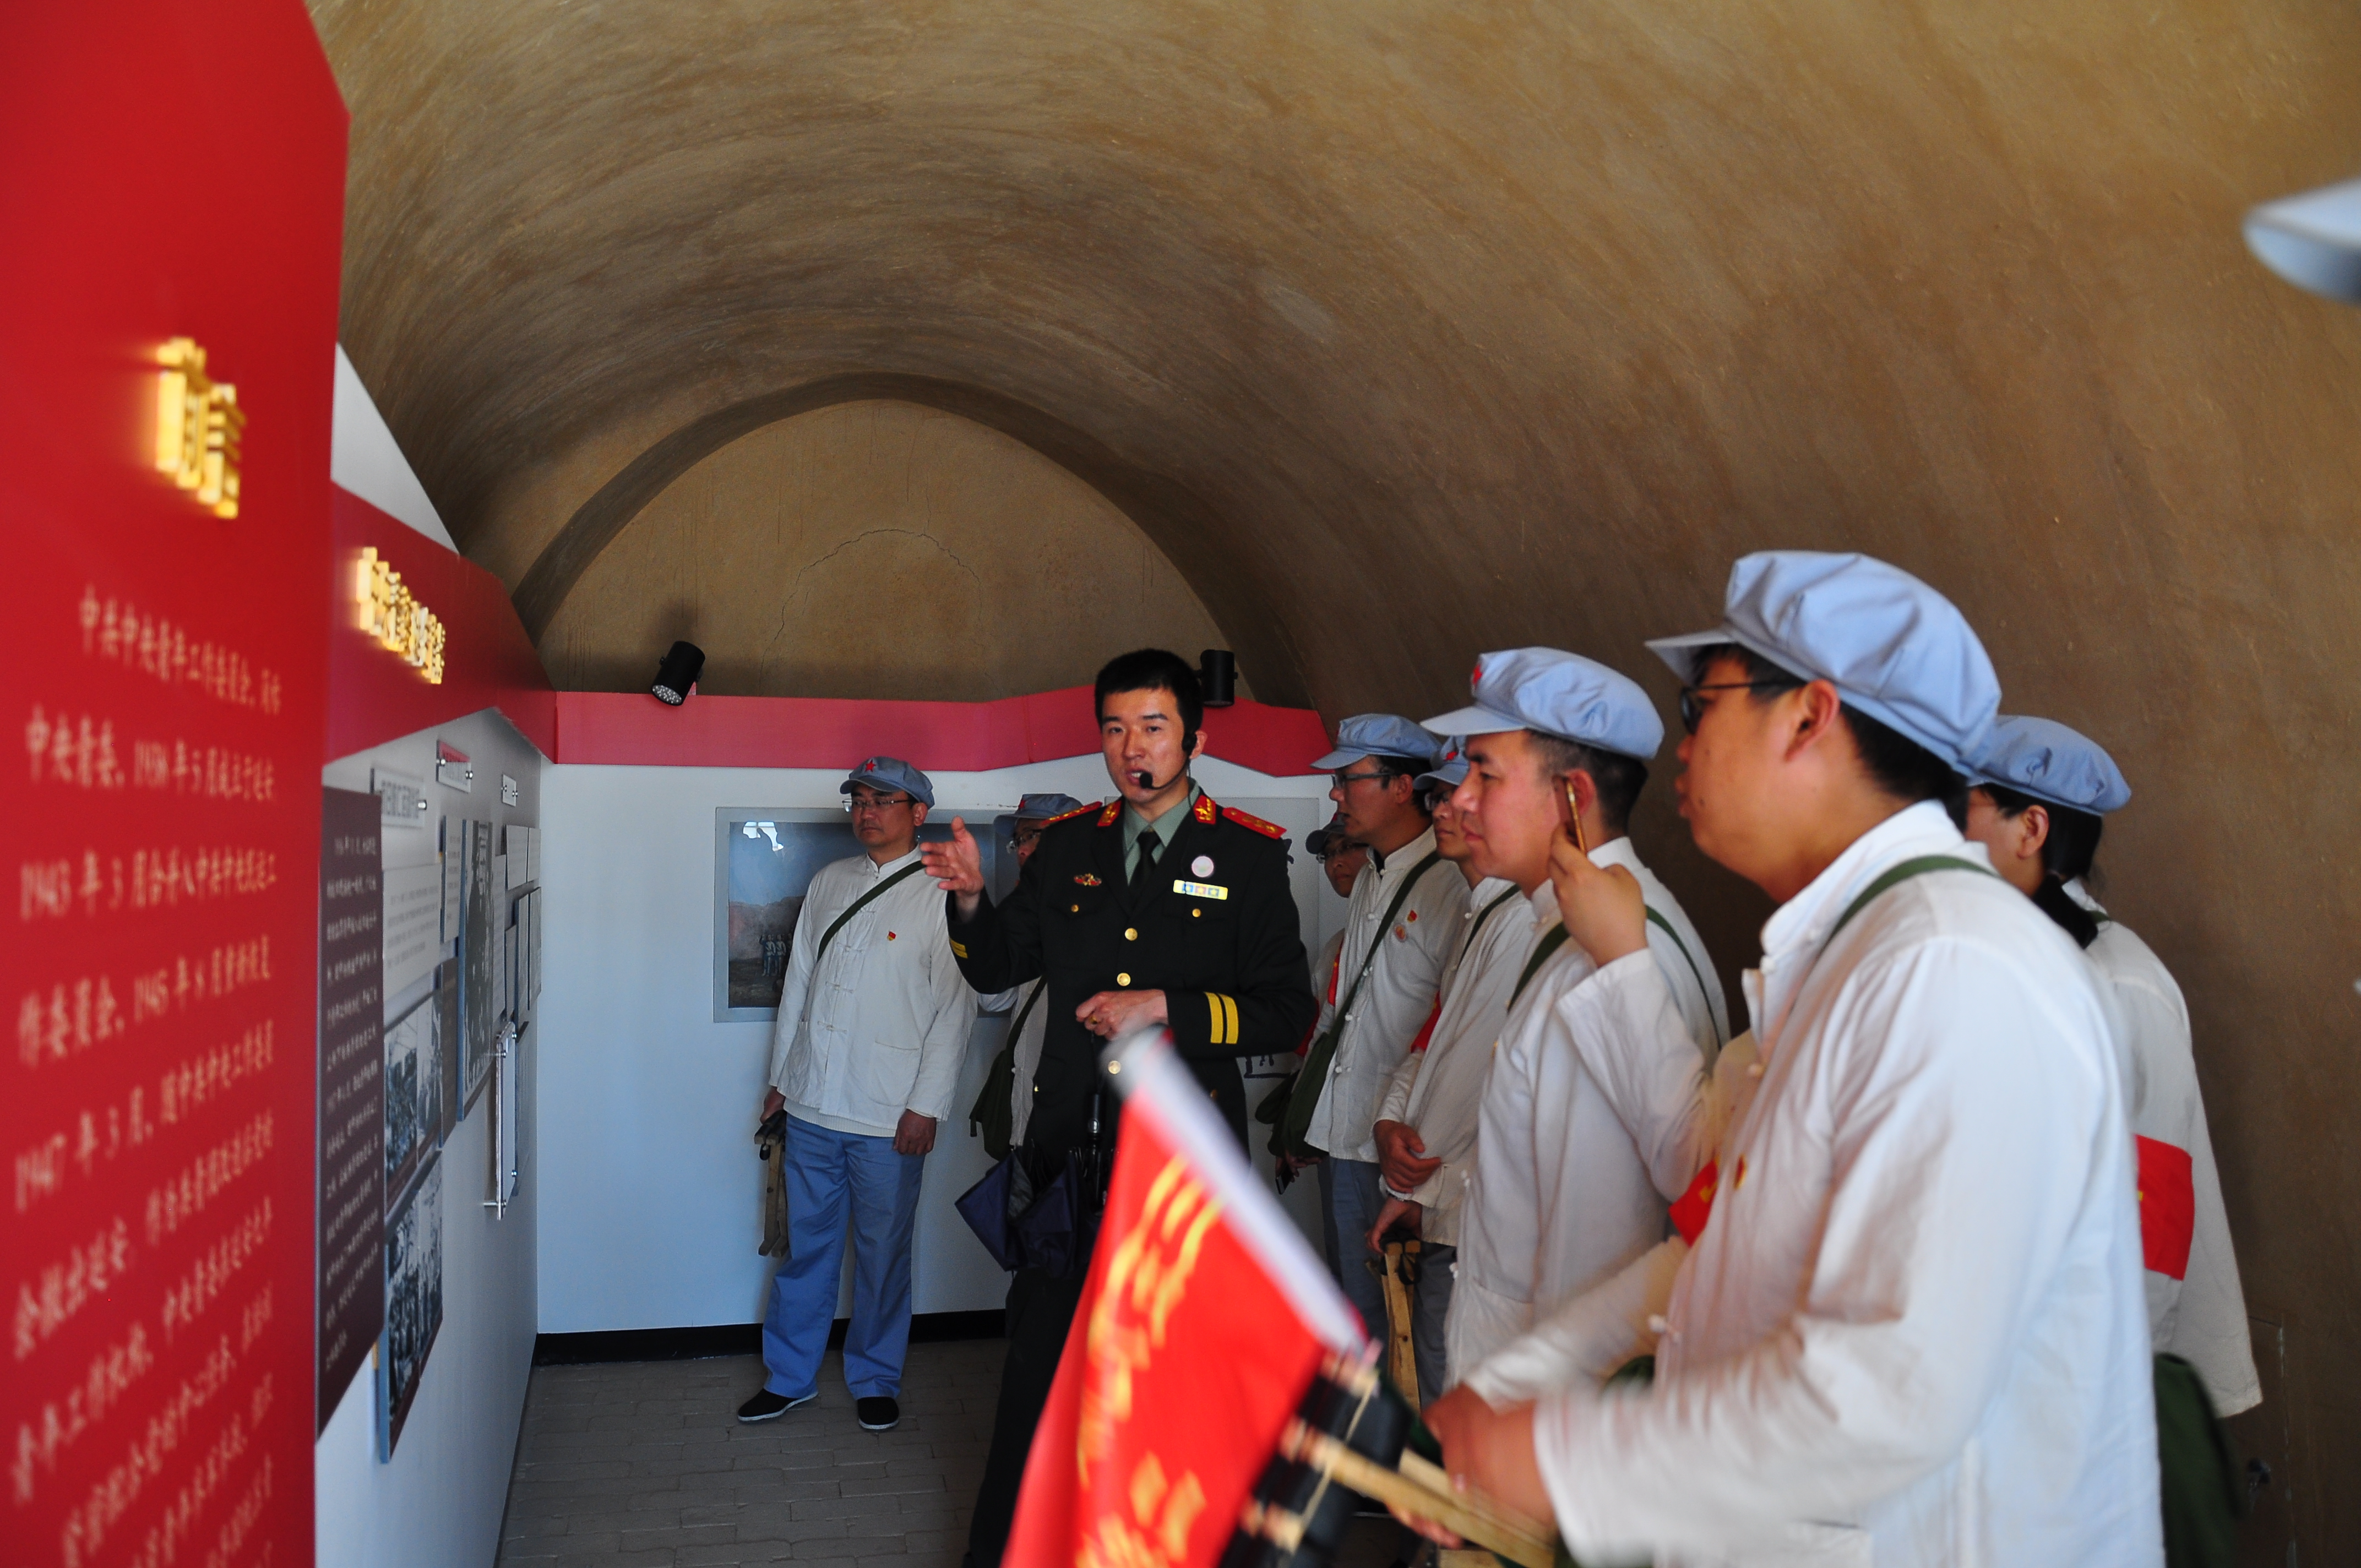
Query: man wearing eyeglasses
<point x="873" y="1019"/>
<point x="1399" y="929"/>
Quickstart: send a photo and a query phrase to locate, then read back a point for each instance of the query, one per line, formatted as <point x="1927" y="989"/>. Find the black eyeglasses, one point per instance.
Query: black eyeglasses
<point x="881" y="802"/>
<point x="1693" y="710"/>
<point x="1346" y="781"/>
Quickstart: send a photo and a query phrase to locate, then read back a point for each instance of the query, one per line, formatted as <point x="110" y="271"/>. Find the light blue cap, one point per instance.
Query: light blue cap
<point x="2042" y="757"/>
<point x="1892" y="647"/>
<point x="1041" y="807"/>
<point x="1377" y="735"/>
<point x="891" y="773"/>
<point x="1450" y="770"/>
<point x="1557" y="693"/>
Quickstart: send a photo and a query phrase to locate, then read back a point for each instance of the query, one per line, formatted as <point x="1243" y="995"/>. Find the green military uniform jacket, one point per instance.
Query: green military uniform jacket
<point x="1224" y="947"/>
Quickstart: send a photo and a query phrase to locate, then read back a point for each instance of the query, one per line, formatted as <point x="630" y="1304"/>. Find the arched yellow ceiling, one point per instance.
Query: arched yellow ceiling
<point x="1439" y="327"/>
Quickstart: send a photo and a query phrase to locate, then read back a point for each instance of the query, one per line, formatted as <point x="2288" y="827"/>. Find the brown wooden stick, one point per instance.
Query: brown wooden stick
<point x="1463" y="1516"/>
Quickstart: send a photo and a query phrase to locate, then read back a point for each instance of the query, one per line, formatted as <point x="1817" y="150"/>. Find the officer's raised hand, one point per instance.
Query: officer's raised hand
<point x="957" y="866"/>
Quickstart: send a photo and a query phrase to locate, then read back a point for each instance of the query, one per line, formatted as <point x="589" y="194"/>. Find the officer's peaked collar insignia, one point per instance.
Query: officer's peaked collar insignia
<point x="1114" y="809"/>
<point x="1087" y="880"/>
<point x="1206" y="810"/>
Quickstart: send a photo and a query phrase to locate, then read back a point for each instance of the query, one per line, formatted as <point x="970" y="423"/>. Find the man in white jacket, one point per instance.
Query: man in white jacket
<point x="873" y="1021"/>
<point x="1561" y="1190"/>
<point x="1425" y="1131"/>
<point x="1398" y="929"/>
<point x="1911" y="1330"/>
<point x="2041" y="793"/>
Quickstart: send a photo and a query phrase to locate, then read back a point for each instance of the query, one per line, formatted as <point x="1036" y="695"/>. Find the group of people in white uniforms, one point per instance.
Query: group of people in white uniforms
<point x="1886" y="1249"/>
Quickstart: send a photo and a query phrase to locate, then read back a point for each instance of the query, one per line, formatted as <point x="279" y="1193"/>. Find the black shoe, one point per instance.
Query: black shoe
<point x="766" y="1406"/>
<point x="877" y="1413"/>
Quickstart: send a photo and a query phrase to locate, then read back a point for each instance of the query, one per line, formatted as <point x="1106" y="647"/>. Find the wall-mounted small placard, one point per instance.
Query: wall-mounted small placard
<point x="402" y="797"/>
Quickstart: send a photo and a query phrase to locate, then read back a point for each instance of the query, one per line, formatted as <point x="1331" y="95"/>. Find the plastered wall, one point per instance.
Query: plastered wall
<point x="653" y="1210"/>
<point x="873" y="549"/>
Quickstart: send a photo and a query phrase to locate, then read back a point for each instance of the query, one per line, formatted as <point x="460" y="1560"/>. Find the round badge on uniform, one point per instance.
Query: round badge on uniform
<point x="1203" y="865"/>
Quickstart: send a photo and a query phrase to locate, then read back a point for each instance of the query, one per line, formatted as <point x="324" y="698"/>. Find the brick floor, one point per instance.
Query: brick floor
<point x="635" y="1463"/>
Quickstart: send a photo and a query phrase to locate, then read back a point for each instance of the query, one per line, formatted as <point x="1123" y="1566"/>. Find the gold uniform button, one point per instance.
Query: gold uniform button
<point x="1074" y="909"/>
<point x="1130" y="934"/>
<point x="1123" y="979"/>
<point x="1194" y="913"/>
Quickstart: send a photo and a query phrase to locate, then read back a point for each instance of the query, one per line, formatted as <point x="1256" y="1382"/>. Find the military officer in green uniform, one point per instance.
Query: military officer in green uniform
<point x="1160" y="906"/>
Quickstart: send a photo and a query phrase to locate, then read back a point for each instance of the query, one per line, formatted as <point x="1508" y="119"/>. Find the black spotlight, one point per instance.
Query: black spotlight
<point x="677" y="676"/>
<point x="1217" y="677"/>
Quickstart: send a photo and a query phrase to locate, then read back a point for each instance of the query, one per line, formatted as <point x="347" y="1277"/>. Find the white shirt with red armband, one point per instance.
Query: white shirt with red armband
<point x="1912" y="1332"/>
<point x="2196" y="1307"/>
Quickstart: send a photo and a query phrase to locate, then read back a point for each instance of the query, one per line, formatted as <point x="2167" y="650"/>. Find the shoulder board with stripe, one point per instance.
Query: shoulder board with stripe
<point x="1069" y="816"/>
<point x="1247" y="819"/>
<point x="1114" y="809"/>
<point x="1206" y="810"/>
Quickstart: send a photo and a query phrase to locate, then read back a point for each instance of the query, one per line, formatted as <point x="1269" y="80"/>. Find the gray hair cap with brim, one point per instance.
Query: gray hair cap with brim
<point x="2054" y="764"/>
<point x="1555" y="693"/>
<point x="1892" y="647"/>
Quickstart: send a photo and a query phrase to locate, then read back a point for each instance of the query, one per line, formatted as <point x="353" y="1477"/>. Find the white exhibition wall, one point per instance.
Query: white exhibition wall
<point x="653" y="1191"/>
<point x="438" y="1502"/>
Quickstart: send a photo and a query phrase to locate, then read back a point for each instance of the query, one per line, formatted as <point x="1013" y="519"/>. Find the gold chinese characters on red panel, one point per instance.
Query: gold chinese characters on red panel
<point x="163" y="496"/>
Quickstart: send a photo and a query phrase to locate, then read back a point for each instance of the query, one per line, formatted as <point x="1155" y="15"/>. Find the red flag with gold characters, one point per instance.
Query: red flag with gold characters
<point x="1204" y="1317"/>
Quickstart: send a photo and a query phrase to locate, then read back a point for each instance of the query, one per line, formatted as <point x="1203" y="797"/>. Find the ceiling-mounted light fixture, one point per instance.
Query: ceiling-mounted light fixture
<point x="1217" y="677"/>
<point x="677" y="676"/>
<point x="2313" y="240"/>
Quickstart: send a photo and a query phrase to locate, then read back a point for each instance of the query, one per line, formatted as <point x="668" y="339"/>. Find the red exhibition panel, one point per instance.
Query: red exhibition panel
<point x="487" y="661"/>
<point x="836" y="733"/>
<point x="168" y="306"/>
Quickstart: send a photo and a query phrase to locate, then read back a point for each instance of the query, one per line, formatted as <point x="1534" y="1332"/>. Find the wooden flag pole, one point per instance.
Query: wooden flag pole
<point x="1519" y="1541"/>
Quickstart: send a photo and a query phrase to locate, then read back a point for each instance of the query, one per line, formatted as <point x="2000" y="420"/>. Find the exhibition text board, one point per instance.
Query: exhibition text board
<point x="175" y="180"/>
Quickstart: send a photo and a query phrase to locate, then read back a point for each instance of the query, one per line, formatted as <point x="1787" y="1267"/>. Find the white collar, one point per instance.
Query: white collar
<point x="878" y="872"/>
<point x="1408" y="855"/>
<point x="1804" y="921"/>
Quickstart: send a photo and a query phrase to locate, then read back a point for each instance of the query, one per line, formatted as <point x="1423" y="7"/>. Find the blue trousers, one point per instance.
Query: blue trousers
<point x="829" y="1174"/>
<point x="1349" y="1201"/>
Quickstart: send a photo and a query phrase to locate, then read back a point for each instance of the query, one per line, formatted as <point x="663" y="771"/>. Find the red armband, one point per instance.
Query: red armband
<point x="1694" y="1207"/>
<point x="2168" y="1206"/>
<point x="1426" y="1030"/>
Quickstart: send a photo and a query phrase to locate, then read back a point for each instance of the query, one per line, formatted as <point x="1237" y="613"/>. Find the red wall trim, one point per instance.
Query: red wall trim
<point x="489" y="661"/>
<point x="833" y="732"/>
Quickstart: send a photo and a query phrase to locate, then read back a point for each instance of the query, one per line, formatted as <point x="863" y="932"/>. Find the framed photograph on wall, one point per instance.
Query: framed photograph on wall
<point x="481" y="915"/>
<point x="413" y="1098"/>
<point x="446" y="1002"/>
<point x="763" y="859"/>
<point x="413" y="1304"/>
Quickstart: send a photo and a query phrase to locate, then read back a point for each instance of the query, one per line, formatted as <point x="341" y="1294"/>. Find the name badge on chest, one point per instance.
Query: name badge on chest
<point x="1200" y="889"/>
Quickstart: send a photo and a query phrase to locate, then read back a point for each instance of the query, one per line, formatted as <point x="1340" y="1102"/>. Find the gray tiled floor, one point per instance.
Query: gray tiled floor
<point x="645" y="1462"/>
<point x="639" y="1463"/>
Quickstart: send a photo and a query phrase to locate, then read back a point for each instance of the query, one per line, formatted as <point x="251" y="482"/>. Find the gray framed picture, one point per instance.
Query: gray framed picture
<point x="413" y="1304"/>
<point x="414" y="1097"/>
<point x="763" y="859"/>
<point x="482" y="915"/>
